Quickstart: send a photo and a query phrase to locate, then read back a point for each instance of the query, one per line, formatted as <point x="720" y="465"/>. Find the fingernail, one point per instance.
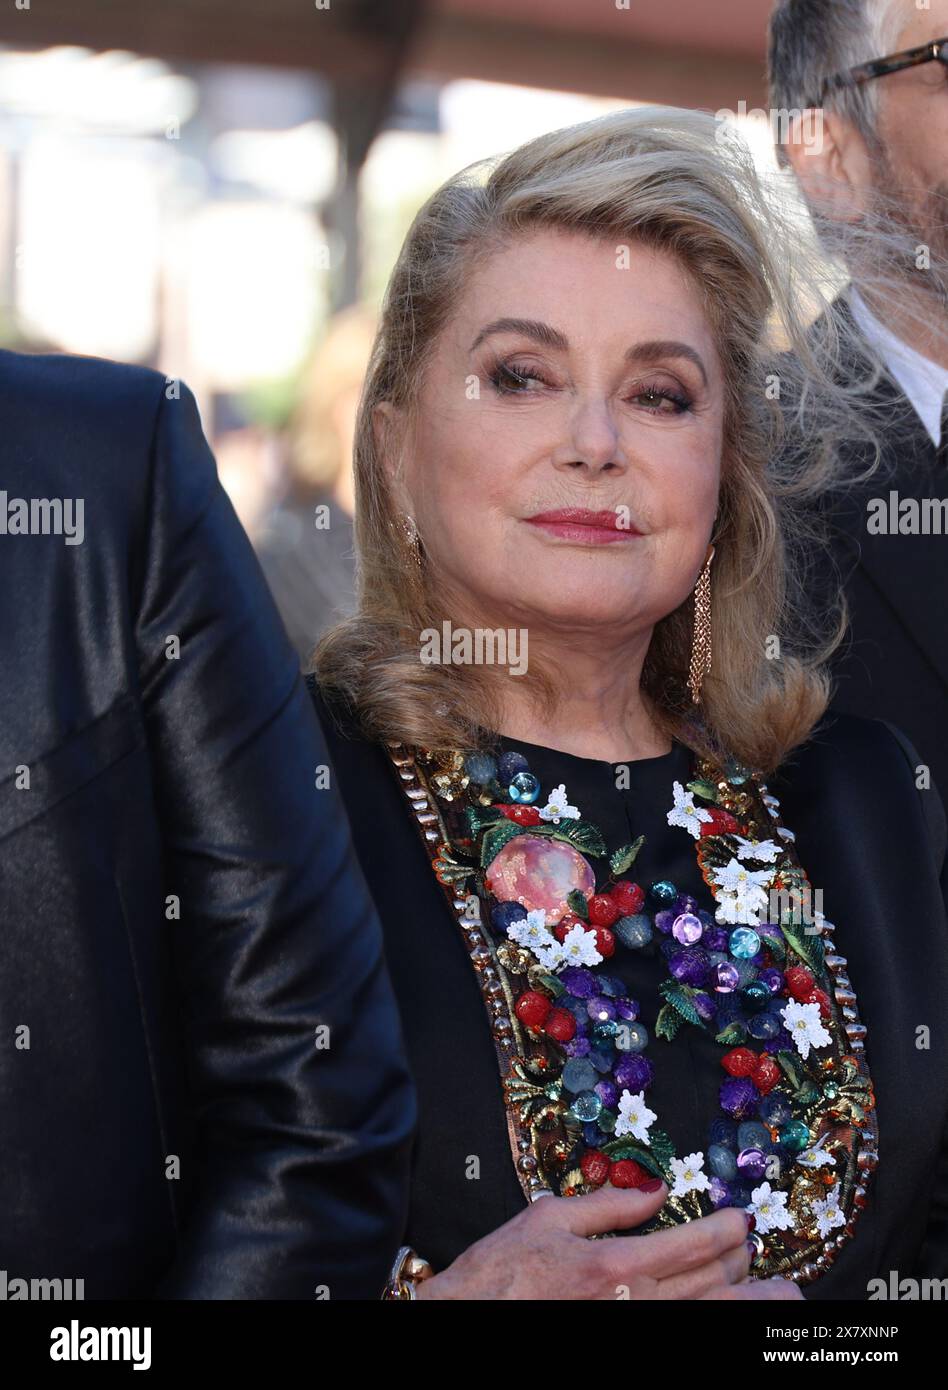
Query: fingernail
<point x="652" y="1185"/>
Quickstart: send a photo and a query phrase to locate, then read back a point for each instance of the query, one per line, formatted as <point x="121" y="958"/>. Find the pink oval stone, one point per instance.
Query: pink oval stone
<point x="539" y="873"/>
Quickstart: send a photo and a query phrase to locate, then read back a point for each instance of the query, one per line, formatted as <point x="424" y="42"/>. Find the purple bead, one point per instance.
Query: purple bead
<point x="627" y="1009"/>
<point x="608" y="1093"/>
<point x="600" y="1009"/>
<point x="719" y="1192"/>
<point x="738" y="1096"/>
<point x="690" y="966"/>
<point x="578" y="1047"/>
<point x="726" y="977"/>
<point x="687" y="928"/>
<point x="685" y="903"/>
<point x="772" y="978"/>
<point x="579" y="981"/>
<point x="751" y="1163"/>
<point x="664" y="919"/>
<point x="716" y="939"/>
<point x="634" y="1072"/>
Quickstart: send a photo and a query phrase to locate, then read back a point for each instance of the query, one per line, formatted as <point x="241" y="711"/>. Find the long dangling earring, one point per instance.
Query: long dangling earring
<point x="700" y="665"/>
<point x="412" y="537"/>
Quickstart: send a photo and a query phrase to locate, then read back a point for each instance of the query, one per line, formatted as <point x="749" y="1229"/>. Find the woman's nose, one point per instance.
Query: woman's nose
<point x="592" y="440"/>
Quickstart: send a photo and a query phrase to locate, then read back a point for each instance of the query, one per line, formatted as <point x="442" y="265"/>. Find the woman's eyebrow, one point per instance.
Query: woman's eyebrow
<point x="547" y="336"/>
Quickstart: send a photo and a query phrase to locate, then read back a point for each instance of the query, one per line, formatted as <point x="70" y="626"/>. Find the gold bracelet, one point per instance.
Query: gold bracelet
<point x="408" y="1270"/>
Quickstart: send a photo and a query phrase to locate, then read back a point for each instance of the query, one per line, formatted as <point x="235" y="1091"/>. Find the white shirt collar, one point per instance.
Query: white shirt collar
<point x="923" y="381"/>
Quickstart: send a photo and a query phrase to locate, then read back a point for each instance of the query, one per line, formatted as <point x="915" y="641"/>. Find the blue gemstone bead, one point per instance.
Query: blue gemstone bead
<point x="503" y="915"/>
<point x="752" y="1135"/>
<point x="509" y="764"/>
<point x="631" y="1037"/>
<point x="756" y="995"/>
<point x="664" y="892"/>
<point x="763" y="1026"/>
<point x="775" y="1109"/>
<point x="587" y="1106"/>
<point x="524" y="788"/>
<point x="723" y="1131"/>
<point x="579" y="1075"/>
<point x="744" y="943"/>
<point x="634" y="931"/>
<point x="601" y="1058"/>
<point x="722" y="1162"/>
<point x="481" y="768"/>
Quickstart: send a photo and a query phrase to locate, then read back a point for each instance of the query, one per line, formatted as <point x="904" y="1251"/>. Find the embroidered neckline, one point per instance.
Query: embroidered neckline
<point x="817" y="1164"/>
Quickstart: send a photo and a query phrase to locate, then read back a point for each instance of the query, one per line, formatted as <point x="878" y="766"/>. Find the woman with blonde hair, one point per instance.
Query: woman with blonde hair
<point x="577" y="720"/>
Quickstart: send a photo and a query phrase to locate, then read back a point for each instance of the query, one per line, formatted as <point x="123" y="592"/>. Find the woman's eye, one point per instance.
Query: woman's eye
<point x="662" y="401"/>
<point x="513" y="380"/>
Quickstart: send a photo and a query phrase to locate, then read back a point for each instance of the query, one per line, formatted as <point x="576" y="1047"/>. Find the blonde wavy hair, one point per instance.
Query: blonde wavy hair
<point x="669" y="180"/>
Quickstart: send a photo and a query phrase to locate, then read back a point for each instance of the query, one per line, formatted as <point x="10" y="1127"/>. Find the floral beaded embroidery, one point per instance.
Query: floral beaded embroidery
<point x="796" y="1141"/>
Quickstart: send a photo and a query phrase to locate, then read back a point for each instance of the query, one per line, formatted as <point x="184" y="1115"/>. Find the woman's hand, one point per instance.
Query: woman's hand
<point x="544" y="1253"/>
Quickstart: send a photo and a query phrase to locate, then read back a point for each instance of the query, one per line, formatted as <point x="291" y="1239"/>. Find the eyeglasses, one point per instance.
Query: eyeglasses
<point x="934" y="52"/>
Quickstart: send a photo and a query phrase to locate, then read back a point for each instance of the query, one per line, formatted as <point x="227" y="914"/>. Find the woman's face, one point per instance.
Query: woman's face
<point x="574" y="380"/>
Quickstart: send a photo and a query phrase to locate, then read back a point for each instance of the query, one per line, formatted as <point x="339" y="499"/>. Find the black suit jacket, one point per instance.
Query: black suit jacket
<point x="894" y="664"/>
<point x="181" y="908"/>
<point x="874" y="845"/>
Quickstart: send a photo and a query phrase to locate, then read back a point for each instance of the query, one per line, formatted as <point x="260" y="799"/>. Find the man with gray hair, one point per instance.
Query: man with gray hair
<point x="875" y="73"/>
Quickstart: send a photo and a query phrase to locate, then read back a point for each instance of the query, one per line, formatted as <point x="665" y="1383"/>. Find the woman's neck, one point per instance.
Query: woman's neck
<point x="597" y="715"/>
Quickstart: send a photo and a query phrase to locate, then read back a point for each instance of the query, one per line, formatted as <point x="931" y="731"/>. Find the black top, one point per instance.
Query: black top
<point x="867" y="837"/>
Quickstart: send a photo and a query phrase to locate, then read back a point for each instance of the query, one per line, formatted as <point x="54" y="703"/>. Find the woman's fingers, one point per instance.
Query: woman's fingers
<point x="609" y="1209"/>
<point x="758" y="1289"/>
<point x="691" y="1246"/>
<point x="729" y="1268"/>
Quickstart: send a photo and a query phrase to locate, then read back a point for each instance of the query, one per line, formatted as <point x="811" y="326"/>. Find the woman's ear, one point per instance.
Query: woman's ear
<point x="388" y="429"/>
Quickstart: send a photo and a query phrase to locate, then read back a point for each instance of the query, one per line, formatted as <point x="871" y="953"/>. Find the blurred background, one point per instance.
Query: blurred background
<point x="218" y="189"/>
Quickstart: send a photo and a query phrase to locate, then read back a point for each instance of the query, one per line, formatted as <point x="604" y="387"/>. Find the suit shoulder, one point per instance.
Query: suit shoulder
<point x="69" y="384"/>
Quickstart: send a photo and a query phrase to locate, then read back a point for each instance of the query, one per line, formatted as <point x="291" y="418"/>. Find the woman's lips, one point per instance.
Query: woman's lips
<point x="589" y="528"/>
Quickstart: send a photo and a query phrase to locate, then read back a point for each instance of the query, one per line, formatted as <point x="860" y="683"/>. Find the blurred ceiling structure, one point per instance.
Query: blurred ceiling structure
<point x="686" y="52"/>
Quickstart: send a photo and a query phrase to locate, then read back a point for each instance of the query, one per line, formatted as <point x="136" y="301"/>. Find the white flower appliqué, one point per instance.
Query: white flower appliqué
<point x="802" y="1022"/>
<point x="557" y="807"/>
<point x="686" y="814"/>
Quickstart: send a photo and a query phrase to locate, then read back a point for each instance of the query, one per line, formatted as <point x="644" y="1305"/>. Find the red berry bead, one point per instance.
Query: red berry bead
<point x="628" y="897"/>
<point x="524" y="815"/>
<point x="533" y="1008"/>
<point x="603" y="911"/>
<point x="560" y="1026"/>
<point x="594" y="1167"/>
<point x="605" y="942"/>
<point x="625" y="1172"/>
<point x="766" y="1074"/>
<point x="721" y="822"/>
<point x="819" y="996"/>
<point x="567" y="922"/>
<point x="800" y="982"/>
<point x="740" y="1061"/>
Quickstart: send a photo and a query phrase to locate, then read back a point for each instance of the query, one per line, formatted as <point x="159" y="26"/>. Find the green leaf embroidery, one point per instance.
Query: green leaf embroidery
<point x="582" y="835"/>
<point x="578" y="903"/>
<point x="624" y="857"/>
<point x="667" y="1023"/>
<point x="706" y="790"/>
<point x="495" y="839"/>
<point x="678" y="997"/>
